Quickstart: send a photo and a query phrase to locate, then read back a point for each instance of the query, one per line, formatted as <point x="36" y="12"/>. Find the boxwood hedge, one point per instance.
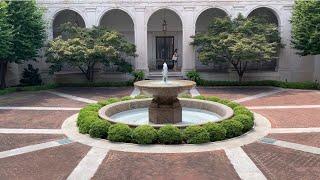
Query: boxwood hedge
<point x="89" y="122"/>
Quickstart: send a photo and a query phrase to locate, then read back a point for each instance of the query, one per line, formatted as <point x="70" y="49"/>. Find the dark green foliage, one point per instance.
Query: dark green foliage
<point x="185" y="96"/>
<point x="86" y="123"/>
<point x="126" y="98"/>
<point x="30" y="76"/>
<point x="232" y="104"/>
<point x="108" y="101"/>
<point x="196" y="135"/>
<point x="213" y="98"/>
<point x="144" y="134"/>
<point x="240" y="110"/>
<point x="22" y="32"/>
<point x="200" y="97"/>
<point x="169" y="135"/>
<point x="238" y="41"/>
<point x="85" y="48"/>
<point x="193" y="76"/>
<point x="99" y="129"/>
<point x="233" y="128"/>
<point x="216" y="131"/>
<point x="141" y="97"/>
<point x="245" y="120"/>
<point x="138" y="75"/>
<point x="305" y="27"/>
<point x="120" y="133"/>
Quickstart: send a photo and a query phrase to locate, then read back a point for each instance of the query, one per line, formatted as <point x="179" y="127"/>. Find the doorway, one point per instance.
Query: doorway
<point x="164" y="51"/>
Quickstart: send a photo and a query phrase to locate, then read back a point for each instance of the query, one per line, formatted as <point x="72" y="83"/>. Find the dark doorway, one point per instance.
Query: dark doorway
<point x="164" y="51"/>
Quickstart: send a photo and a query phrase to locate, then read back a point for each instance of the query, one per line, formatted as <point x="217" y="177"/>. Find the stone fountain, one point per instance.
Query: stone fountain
<point x="165" y="107"/>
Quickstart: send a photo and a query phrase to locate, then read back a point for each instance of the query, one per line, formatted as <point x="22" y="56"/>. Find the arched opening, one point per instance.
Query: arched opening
<point x="66" y="16"/>
<point x="120" y="21"/>
<point x="164" y="36"/>
<point x="268" y="15"/>
<point x="202" y="25"/>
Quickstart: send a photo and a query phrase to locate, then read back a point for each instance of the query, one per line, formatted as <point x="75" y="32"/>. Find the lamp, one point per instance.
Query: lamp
<point x="164" y="22"/>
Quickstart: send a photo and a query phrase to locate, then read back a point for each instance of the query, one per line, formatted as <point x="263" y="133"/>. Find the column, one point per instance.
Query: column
<point x="188" y="52"/>
<point x="90" y="18"/>
<point x="140" y="35"/>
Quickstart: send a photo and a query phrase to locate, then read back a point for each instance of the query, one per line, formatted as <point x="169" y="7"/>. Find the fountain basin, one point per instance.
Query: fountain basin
<point x="165" y="107"/>
<point x="194" y="112"/>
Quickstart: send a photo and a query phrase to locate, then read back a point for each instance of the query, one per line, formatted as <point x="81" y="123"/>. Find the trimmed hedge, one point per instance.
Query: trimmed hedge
<point x="196" y="135"/>
<point x="169" y="135"/>
<point x="216" y="131"/>
<point x="120" y="133"/>
<point x="89" y="122"/>
<point x="99" y="129"/>
<point x="234" y="128"/>
<point x="144" y="134"/>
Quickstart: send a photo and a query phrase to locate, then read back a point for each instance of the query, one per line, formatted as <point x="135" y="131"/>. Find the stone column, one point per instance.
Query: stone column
<point x="140" y="36"/>
<point x="188" y="52"/>
<point x="90" y="17"/>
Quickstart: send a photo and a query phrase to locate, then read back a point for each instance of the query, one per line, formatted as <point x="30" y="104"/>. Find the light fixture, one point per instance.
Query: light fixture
<point x="164" y="22"/>
<point x="164" y="25"/>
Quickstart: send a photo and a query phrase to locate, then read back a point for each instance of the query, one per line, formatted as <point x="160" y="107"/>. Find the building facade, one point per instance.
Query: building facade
<point x="158" y="27"/>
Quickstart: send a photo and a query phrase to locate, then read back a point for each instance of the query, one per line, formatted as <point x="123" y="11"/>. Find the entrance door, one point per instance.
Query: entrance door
<point x="164" y="51"/>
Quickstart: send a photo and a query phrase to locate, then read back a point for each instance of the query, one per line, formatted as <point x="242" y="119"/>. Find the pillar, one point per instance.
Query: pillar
<point x="140" y="35"/>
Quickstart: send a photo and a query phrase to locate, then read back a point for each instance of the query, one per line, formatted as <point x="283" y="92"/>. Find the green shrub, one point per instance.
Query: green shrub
<point x="213" y="98"/>
<point x="233" y="105"/>
<point x="99" y="129"/>
<point x="92" y="107"/>
<point x="216" y="131"/>
<point x="126" y="98"/>
<point x="144" y="134"/>
<point x="196" y="135"/>
<point x="245" y="120"/>
<point x="86" y="123"/>
<point x="169" y="135"/>
<point x="193" y="76"/>
<point x="200" y="97"/>
<point x="84" y="114"/>
<point x="233" y="128"/>
<point x="108" y="101"/>
<point x="138" y="75"/>
<point x="30" y="76"/>
<point x="242" y="110"/>
<point x="120" y="133"/>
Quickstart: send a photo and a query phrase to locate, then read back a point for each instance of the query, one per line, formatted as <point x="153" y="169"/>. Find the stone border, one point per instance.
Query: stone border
<point x="261" y="129"/>
<point x="225" y="112"/>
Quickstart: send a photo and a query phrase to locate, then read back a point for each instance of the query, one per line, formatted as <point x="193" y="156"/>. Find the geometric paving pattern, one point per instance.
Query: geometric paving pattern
<point x="39" y="155"/>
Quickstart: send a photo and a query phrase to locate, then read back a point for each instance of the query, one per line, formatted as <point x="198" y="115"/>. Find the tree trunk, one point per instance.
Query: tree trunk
<point x="3" y="72"/>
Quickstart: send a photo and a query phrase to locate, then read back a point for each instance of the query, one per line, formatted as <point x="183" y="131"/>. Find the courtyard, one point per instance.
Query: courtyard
<point x="35" y="145"/>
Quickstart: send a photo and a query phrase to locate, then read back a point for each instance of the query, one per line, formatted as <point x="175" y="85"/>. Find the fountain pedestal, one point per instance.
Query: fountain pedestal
<point x="165" y="107"/>
<point x="165" y="112"/>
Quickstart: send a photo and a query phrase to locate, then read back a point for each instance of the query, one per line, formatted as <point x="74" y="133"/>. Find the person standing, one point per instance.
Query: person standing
<point x="175" y="59"/>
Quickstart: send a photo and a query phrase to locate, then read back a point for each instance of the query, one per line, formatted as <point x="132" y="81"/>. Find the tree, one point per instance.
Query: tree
<point x="28" y="33"/>
<point x="238" y="41"/>
<point x="6" y="36"/>
<point x="84" y="48"/>
<point x="306" y="27"/>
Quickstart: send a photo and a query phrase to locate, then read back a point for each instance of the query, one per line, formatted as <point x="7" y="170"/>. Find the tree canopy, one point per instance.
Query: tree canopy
<point x="24" y="33"/>
<point x="306" y="27"/>
<point x="84" y="48"/>
<point x="238" y="41"/>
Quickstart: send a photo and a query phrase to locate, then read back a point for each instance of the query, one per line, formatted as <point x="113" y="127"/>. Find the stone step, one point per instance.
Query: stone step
<point x="171" y="75"/>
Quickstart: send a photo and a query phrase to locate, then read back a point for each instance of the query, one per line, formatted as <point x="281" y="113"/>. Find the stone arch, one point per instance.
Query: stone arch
<point x="272" y="16"/>
<point x="64" y="16"/>
<point x="205" y="15"/>
<point x="119" y="20"/>
<point x="161" y="44"/>
<point x="268" y="12"/>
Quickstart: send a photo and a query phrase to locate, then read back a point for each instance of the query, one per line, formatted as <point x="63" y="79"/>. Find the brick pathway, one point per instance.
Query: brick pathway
<point x="37" y="159"/>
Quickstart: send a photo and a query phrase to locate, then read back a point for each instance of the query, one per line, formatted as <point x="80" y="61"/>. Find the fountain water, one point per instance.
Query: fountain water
<point x="165" y="73"/>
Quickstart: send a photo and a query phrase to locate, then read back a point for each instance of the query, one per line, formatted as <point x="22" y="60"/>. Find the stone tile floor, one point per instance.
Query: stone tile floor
<point x="51" y="156"/>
